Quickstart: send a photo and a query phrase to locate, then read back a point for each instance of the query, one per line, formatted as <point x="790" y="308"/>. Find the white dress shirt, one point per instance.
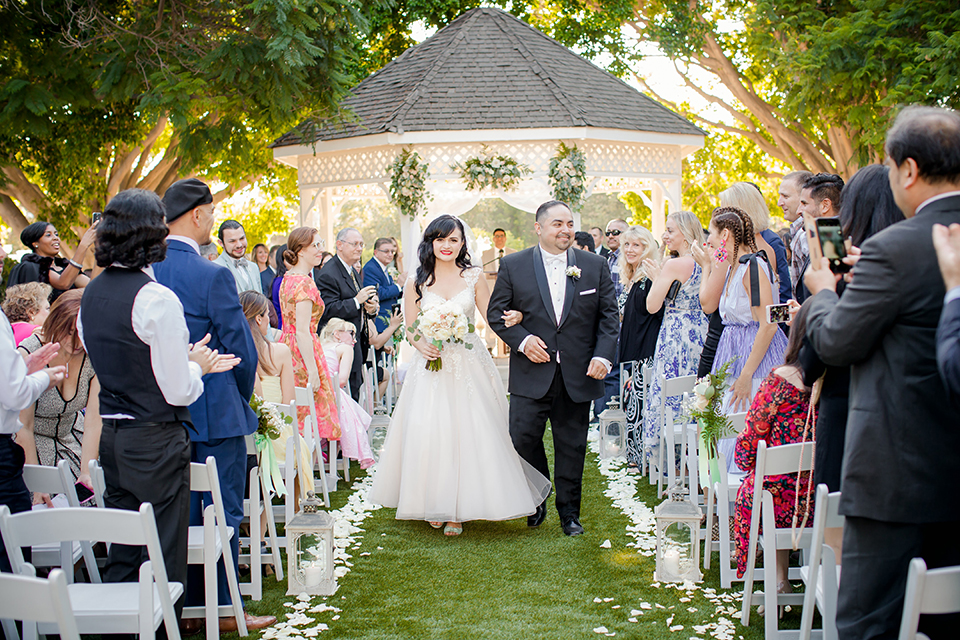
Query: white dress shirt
<point x="158" y="321"/>
<point x="17" y="389"/>
<point x="245" y="272"/>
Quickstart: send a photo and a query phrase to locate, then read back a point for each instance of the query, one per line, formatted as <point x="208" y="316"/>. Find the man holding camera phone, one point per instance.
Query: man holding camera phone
<point x="903" y="442"/>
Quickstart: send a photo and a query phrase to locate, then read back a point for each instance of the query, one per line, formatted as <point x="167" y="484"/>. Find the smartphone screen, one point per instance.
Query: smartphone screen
<point x="777" y="313"/>
<point x="831" y="243"/>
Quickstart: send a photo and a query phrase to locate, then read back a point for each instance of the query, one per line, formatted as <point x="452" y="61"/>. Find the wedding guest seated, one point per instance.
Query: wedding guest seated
<point x="26" y="307"/>
<point x="584" y="241"/>
<point x="337" y="339"/>
<point x="777" y="416"/>
<point x="56" y="428"/>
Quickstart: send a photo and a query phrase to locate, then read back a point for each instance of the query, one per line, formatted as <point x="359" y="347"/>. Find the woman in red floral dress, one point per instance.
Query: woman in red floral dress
<point x="302" y="307"/>
<point x="777" y="416"/>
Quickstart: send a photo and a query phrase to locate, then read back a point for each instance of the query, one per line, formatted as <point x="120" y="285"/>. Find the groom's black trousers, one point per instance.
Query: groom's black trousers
<point x="568" y="419"/>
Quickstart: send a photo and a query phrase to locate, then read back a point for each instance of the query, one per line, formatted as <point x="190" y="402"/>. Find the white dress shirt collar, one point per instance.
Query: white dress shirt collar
<point x="187" y="241"/>
<point x="550" y="258"/>
<point x="939" y="196"/>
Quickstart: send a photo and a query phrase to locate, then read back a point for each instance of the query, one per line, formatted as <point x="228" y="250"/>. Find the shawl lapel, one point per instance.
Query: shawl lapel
<point x="541" y="274"/>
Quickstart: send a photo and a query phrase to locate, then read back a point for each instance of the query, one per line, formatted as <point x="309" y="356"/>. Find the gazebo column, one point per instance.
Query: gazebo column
<point x="658" y="216"/>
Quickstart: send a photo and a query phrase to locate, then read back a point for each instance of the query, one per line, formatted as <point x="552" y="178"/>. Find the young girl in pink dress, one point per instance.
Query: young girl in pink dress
<point x="337" y="340"/>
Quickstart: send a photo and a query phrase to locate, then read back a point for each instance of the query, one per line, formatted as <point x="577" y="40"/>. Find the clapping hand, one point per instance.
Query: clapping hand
<point x="946" y="242"/>
<point x="41" y="357"/>
<point x="700" y="256"/>
<point x="651" y="268"/>
<point x="210" y="360"/>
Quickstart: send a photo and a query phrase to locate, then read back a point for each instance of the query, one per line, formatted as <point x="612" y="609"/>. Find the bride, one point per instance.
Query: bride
<point x="448" y="457"/>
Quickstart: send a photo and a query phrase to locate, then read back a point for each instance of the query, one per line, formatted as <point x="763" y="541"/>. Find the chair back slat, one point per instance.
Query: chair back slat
<point x="784" y="459"/>
<point x="47" y="479"/>
<point x="676" y="386"/>
<point x="47" y="526"/>
<point x="39" y="600"/>
<point x="738" y="421"/>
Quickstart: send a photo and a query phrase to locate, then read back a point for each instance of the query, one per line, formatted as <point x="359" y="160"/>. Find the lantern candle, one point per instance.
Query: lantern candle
<point x="312" y="574"/>
<point x="671" y="562"/>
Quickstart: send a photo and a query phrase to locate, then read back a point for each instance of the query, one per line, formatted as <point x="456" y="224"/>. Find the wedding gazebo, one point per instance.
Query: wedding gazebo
<point x="488" y="79"/>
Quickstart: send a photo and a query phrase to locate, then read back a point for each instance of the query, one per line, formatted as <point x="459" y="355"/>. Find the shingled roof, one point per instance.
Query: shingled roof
<point x="490" y="70"/>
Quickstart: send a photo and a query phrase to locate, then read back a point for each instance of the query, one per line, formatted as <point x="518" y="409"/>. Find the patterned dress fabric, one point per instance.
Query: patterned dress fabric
<point x="354" y="421"/>
<point x="448" y="455"/>
<point x="296" y="288"/>
<point x="777" y="416"/>
<point x="58" y="423"/>
<point x="679" y="345"/>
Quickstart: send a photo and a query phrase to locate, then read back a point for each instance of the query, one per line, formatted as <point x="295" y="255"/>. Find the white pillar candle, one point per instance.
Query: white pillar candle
<point x="312" y="575"/>
<point x="671" y="562"/>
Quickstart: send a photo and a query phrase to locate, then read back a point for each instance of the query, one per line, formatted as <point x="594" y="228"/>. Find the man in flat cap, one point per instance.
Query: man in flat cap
<point x="222" y="415"/>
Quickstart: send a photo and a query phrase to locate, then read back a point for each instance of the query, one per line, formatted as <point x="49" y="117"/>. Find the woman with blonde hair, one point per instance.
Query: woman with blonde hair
<point x="338" y="338"/>
<point x="26" y="307"/>
<point x="747" y="197"/>
<point x="676" y="290"/>
<point x="639" y="329"/>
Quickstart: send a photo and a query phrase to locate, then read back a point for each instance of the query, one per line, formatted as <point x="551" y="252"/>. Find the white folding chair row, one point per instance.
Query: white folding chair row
<point x="672" y="430"/>
<point x="787" y="459"/>
<point x="206" y="545"/>
<point x="343" y="463"/>
<point x="101" y="608"/>
<point x="32" y="600"/>
<point x="931" y="592"/>
<point x="723" y="492"/>
<point x="311" y="436"/>
<point x="98" y="482"/>
<point x="58" y="479"/>
<point x="821" y="576"/>
<point x="646" y="371"/>
<point x="255" y="506"/>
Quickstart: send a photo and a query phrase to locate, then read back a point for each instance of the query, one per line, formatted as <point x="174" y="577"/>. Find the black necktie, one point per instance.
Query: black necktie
<point x="353" y="275"/>
<point x="499" y="258"/>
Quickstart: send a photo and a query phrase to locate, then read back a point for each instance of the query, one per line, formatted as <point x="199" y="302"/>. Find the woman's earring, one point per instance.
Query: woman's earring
<point x="720" y="255"/>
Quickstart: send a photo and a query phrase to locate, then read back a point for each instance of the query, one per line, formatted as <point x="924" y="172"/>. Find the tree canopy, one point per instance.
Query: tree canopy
<point x="96" y="97"/>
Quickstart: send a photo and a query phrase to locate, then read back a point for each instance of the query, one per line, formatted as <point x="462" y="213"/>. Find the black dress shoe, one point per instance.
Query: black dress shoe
<point x="571" y="526"/>
<point x="538" y="516"/>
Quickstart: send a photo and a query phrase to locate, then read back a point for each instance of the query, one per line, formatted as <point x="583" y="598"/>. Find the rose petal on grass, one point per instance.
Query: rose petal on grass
<point x="600" y="630"/>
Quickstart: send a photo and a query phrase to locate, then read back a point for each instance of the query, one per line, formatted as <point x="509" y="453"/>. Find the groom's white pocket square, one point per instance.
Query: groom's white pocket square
<point x="588" y="292"/>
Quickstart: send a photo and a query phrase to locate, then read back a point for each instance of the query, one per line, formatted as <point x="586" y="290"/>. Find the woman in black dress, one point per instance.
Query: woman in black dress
<point x="46" y="265"/>
<point x="638" y="329"/>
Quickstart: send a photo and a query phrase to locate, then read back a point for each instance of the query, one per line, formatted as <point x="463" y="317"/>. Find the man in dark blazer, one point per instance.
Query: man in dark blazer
<point x="902" y="446"/>
<point x="222" y="416"/>
<point x="947" y="243"/>
<point x="376" y="274"/>
<point x="559" y="354"/>
<point x="344" y="298"/>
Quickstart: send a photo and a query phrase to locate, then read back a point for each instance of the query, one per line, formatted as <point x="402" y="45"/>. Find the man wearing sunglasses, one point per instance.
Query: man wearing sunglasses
<point x="611" y="384"/>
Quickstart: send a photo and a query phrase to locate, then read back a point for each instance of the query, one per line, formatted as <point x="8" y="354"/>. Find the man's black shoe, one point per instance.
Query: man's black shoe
<point x="538" y="516"/>
<point x="571" y="526"/>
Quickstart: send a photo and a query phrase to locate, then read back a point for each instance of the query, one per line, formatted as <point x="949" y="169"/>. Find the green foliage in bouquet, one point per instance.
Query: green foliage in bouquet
<point x="706" y="408"/>
<point x="269" y="420"/>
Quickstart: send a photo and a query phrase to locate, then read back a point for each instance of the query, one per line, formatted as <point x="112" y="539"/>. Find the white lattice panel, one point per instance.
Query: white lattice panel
<point x="630" y="159"/>
<point x="346" y="167"/>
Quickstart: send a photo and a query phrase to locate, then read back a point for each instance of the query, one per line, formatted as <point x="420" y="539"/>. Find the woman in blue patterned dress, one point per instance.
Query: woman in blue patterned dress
<point x="684" y="323"/>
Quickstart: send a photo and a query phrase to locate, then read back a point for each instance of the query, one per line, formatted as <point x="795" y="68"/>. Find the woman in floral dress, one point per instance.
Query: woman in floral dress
<point x="301" y="308"/>
<point x="684" y="324"/>
<point x="777" y="416"/>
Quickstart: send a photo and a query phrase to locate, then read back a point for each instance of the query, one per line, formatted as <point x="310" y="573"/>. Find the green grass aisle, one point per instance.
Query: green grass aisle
<point x="504" y="580"/>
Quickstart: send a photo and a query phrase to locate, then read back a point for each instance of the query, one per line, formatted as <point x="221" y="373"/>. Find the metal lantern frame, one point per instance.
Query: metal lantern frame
<point x="678" y="510"/>
<point x="301" y="572"/>
<point x="613" y="430"/>
<point x="377" y="431"/>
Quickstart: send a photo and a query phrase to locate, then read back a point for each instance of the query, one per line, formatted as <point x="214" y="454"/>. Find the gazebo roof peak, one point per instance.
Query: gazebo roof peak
<point x="489" y="70"/>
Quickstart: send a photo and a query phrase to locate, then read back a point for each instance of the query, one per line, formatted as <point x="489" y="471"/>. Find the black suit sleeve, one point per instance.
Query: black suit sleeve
<point x="948" y="348"/>
<point x="608" y="325"/>
<point x="332" y="291"/>
<point x="501" y="299"/>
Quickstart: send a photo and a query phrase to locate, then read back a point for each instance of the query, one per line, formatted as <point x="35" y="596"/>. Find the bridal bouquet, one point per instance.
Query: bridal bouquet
<point x="442" y="323"/>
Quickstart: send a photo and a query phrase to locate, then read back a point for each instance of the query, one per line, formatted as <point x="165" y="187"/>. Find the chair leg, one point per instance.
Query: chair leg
<point x="210" y="599"/>
<point x="751" y="563"/>
<point x="708" y="541"/>
<point x="723" y="513"/>
<point x="233" y="586"/>
<point x="272" y="531"/>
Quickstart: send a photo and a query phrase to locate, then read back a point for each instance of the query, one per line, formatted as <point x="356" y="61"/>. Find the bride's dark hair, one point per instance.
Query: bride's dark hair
<point x="441" y="227"/>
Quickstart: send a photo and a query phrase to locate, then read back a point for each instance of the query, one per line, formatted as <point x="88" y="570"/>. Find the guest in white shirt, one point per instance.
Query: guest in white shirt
<point x="21" y="383"/>
<point x="233" y="239"/>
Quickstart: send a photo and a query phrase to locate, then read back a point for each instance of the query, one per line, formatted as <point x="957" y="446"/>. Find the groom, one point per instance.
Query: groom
<point x="559" y="354"/>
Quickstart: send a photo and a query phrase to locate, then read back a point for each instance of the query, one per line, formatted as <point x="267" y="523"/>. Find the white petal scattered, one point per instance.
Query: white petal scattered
<point x="605" y="544"/>
<point x="598" y="600"/>
<point x="601" y="630"/>
<point x="608" y="599"/>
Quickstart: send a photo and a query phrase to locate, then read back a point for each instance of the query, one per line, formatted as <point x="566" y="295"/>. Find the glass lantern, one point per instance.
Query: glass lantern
<point x="613" y="433"/>
<point x="377" y="431"/>
<point x="678" y="538"/>
<point x="310" y="550"/>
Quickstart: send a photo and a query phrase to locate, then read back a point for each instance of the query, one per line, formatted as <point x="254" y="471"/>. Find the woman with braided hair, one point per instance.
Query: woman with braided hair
<point x="748" y="343"/>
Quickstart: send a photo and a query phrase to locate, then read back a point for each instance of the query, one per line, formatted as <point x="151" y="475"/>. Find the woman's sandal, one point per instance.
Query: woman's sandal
<point x="435" y="525"/>
<point x="453" y="530"/>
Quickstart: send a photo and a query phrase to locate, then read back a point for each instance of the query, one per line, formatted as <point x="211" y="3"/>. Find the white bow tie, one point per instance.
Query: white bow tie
<point x="554" y="260"/>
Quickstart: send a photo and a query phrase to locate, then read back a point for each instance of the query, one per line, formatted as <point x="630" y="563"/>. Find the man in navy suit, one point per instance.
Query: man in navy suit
<point x="222" y="415"/>
<point x="376" y="274"/>
<point x="947" y="244"/>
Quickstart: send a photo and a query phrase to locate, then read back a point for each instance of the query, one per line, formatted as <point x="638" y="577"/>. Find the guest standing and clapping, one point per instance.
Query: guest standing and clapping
<point x="301" y="308"/>
<point x="261" y="258"/>
<point x="684" y="324"/>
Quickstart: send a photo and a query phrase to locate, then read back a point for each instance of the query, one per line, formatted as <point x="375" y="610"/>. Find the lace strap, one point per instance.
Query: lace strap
<point x="471" y="276"/>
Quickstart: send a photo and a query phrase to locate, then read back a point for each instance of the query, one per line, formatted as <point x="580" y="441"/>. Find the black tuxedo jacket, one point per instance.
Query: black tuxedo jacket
<point x="587" y="328"/>
<point x="903" y="436"/>
<point x="948" y="349"/>
<point x="338" y="292"/>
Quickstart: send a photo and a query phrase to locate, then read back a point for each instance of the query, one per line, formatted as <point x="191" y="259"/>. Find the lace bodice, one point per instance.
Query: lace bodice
<point x="466" y="298"/>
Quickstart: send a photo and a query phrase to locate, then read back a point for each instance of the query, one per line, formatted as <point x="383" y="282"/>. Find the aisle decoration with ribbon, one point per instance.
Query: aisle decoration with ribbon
<point x="270" y="426"/>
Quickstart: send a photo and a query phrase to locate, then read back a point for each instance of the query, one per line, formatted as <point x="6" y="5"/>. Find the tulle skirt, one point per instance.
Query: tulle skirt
<point x="448" y="455"/>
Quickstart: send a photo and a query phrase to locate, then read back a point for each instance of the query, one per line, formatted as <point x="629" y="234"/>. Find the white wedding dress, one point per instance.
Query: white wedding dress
<point x="448" y="456"/>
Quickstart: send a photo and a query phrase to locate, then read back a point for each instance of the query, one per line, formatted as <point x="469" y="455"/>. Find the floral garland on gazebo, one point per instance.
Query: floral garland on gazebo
<point x="568" y="175"/>
<point x="408" y="180"/>
<point x="490" y="170"/>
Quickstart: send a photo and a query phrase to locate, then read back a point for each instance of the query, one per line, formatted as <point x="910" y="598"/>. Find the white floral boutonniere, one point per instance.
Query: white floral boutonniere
<point x="573" y="271"/>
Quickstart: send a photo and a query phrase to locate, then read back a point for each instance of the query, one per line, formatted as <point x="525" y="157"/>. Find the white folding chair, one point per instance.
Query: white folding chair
<point x="98" y="482"/>
<point x="102" y="608"/>
<point x="344" y="462"/>
<point x="821" y="576"/>
<point x="58" y="479"/>
<point x="311" y="436"/>
<point x="208" y="543"/>
<point x="724" y="494"/>
<point x="929" y="591"/>
<point x="253" y="508"/>
<point x="671" y="432"/>
<point x="646" y="372"/>
<point x="30" y="599"/>
<point x="786" y="459"/>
